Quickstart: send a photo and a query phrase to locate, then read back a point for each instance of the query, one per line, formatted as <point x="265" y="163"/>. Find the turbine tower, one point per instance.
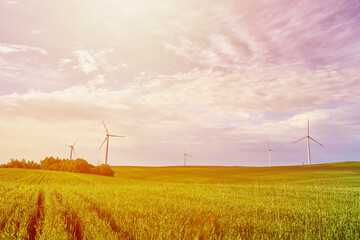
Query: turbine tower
<point x="107" y="141"/>
<point x="269" y="150"/>
<point x="185" y="154"/>
<point x="72" y="148"/>
<point x="308" y="142"/>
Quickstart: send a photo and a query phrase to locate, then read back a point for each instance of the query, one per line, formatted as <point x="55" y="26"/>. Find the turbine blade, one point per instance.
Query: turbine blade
<point x="308" y="127"/>
<point x="76" y="141"/>
<point x="188" y="155"/>
<point x="68" y="145"/>
<point x="74" y="151"/>
<point x="103" y="143"/>
<point x="316" y="141"/>
<point x="116" y="136"/>
<point x="299" y="139"/>
<point x="105" y="127"/>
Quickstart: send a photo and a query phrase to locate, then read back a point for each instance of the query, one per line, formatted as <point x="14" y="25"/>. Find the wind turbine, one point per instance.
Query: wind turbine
<point x="72" y="148"/>
<point x="308" y="142"/>
<point x="185" y="154"/>
<point x="269" y="150"/>
<point x="99" y="162"/>
<point x="107" y="142"/>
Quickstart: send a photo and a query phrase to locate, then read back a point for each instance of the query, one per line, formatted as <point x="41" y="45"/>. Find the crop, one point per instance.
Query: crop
<point x="215" y="203"/>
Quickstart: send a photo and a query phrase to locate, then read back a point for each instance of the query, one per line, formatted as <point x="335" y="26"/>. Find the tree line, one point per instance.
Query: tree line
<point x="56" y="164"/>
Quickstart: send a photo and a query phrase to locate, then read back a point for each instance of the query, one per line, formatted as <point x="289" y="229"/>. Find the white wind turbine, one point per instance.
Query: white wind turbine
<point x="107" y="142"/>
<point x="72" y="150"/>
<point x="185" y="155"/>
<point x="269" y="150"/>
<point x="308" y="142"/>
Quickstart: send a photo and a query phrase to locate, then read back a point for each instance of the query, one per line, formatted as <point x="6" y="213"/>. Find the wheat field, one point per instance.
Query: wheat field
<point x="302" y="202"/>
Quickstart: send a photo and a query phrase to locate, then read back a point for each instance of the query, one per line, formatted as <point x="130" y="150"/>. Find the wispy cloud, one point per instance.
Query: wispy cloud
<point x="37" y="31"/>
<point x="15" y="48"/>
<point x="11" y="2"/>
<point x="272" y="32"/>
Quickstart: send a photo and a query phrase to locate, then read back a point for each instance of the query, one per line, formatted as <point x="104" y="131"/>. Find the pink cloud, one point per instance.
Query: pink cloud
<point x="222" y="77"/>
<point x="14" y="48"/>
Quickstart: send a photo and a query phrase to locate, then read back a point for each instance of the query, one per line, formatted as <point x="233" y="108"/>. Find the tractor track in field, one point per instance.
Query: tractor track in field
<point x="4" y="174"/>
<point x="35" y="223"/>
<point x="107" y="217"/>
<point x="72" y="221"/>
<point x="34" y="179"/>
<point x="41" y="179"/>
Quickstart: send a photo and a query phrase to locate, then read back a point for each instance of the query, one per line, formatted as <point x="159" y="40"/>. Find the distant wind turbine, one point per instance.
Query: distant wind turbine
<point x="185" y="155"/>
<point x="107" y="141"/>
<point x="269" y="150"/>
<point x="99" y="162"/>
<point x="308" y="142"/>
<point x="72" y="148"/>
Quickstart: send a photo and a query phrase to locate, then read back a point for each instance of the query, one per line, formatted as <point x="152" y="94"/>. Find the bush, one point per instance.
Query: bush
<point x="106" y="170"/>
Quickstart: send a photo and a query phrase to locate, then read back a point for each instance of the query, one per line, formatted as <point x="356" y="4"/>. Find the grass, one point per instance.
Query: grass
<point x="297" y="202"/>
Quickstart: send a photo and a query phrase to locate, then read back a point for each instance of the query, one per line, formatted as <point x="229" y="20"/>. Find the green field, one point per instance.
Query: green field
<point x="297" y="202"/>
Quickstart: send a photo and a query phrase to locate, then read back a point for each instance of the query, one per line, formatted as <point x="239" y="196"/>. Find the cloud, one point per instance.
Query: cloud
<point x="11" y="2"/>
<point x="14" y="48"/>
<point x="87" y="62"/>
<point x="221" y="98"/>
<point x="97" y="81"/>
<point x="38" y="31"/>
<point x="258" y="90"/>
<point x="95" y="60"/>
<point x="239" y="35"/>
<point x="63" y="62"/>
<point x="21" y="72"/>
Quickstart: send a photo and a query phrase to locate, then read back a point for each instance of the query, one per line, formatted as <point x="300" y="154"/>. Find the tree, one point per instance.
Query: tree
<point x="56" y="164"/>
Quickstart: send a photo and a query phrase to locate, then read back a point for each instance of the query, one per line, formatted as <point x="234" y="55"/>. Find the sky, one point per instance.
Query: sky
<point x="222" y="78"/>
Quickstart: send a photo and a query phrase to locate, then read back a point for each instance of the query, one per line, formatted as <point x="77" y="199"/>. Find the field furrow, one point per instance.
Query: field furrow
<point x="35" y="224"/>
